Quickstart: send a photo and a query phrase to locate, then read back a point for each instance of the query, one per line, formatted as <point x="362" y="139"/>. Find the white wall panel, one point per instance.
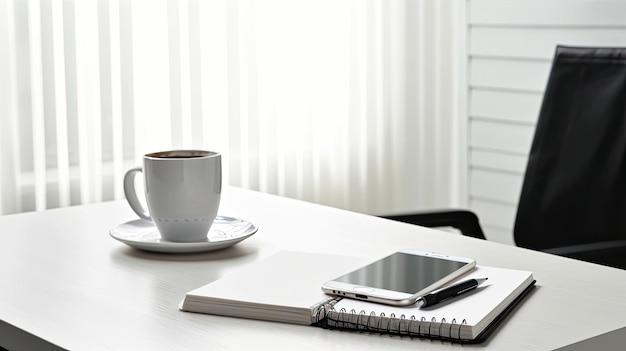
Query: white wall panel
<point x="497" y="160"/>
<point x="537" y="43"/>
<point x="501" y="136"/>
<point x="505" y="105"/>
<point x="566" y="13"/>
<point x="495" y="186"/>
<point x="508" y="74"/>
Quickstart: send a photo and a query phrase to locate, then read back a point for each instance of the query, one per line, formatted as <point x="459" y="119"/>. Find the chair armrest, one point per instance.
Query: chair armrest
<point x="608" y="253"/>
<point x="464" y="220"/>
<point x="591" y="250"/>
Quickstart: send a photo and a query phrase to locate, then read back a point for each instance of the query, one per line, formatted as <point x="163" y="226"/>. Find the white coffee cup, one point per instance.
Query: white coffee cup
<point x="183" y="190"/>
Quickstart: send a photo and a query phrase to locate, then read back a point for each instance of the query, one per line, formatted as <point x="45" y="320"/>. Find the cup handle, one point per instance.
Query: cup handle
<point x="131" y="193"/>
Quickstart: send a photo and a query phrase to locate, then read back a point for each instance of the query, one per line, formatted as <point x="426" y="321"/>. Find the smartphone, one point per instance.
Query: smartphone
<point x="400" y="278"/>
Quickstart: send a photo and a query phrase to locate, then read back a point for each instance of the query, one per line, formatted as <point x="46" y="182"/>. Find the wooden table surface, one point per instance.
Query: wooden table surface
<point x="67" y="284"/>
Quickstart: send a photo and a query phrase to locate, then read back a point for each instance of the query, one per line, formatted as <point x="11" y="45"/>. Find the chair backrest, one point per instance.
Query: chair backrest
<point x="574" y="189"/>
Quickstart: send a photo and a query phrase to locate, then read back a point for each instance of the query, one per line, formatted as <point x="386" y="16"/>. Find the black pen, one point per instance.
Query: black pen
<point x="449" y="292"/>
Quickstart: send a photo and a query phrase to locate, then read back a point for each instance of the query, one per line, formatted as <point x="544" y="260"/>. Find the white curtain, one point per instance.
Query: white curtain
<point x="350" y="103"/>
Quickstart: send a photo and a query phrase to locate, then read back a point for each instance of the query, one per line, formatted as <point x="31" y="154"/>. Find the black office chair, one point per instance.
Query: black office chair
<point x="573" y="199"/>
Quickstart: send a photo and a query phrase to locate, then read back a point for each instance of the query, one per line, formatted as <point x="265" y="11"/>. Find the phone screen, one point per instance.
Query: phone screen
<point x="402" y="272"/>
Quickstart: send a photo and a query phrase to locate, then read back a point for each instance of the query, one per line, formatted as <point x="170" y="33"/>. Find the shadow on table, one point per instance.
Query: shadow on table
<point x="230" y="253"/>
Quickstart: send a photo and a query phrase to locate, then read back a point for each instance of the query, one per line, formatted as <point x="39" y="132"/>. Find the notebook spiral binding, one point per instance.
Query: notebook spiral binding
<point x="327" y="316"/>
<point x="321" y="310"/>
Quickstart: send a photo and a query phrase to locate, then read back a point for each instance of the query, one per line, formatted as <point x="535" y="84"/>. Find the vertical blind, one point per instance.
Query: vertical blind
<point x="349" y="103"/>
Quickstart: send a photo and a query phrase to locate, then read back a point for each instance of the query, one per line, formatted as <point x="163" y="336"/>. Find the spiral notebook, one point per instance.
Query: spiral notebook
<point x="285" y="287"/>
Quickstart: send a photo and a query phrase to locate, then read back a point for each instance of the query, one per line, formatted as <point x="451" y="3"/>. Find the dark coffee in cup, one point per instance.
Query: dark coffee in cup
<point x="181" y="154"/>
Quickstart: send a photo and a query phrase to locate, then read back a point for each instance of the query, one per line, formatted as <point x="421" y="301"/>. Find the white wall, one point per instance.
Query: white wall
<point x="510" y="48"/>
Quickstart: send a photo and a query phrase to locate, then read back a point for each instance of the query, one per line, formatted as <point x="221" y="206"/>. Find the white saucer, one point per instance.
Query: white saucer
<point x="143" y="235"/>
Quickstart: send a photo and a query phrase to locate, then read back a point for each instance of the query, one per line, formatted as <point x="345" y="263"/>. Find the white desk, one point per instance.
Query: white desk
<point x="66" y="283"/>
